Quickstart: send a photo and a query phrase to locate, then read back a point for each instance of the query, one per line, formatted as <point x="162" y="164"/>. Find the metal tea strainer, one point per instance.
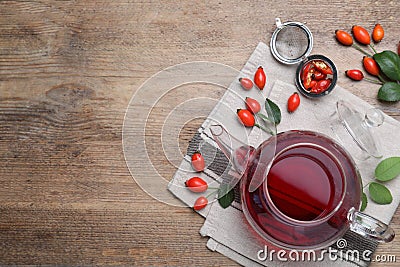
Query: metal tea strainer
<point x="291" y="42"/>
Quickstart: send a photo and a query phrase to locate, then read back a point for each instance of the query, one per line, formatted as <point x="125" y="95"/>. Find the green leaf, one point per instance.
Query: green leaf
<point x="273" y="111"/>
<point x="388" y="169"/>
<point x="380" y="193"/>
<point x="389" y="63"/>
<point x="390" y="91"/>
<point x="364" y="201"/>
<point x="226" y="195"/>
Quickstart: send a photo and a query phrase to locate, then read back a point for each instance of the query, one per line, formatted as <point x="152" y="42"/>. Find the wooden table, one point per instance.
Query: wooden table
<point x="67" y="72"/>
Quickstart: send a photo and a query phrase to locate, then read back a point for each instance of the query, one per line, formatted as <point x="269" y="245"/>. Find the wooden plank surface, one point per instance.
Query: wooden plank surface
<point x="67" y="72"/>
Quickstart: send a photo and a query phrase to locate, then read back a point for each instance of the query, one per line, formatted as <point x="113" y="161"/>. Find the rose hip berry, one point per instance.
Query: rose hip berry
<point x="355" y="75"/>
<point x="196" y="185"/>
<point x="371" y="66"/>
<point x="260" y="78"/>
<point x="293" y="102"/>
<point x="246" y="117"/>
<point x="252" y="105"/>
<point x="317" y="75"/>
<point x="200" y="203"/>
<point x="378" y="33"/>
<point x="323" y="85"/>
<point x="322" y="67"/>
<point x="343" y="37"/>
<point x="361" y="35"/>
<point x="198" y="162"/>
<point x="246" y="83"/>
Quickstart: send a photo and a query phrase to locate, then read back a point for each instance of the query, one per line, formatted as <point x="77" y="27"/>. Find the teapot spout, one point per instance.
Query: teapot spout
<point x="235" y="150"/>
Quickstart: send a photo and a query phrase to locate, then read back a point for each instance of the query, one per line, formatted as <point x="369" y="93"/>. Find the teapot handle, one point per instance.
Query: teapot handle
<point x="369" y="227"/>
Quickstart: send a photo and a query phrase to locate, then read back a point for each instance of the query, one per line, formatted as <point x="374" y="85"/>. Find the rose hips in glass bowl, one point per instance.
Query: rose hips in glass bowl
<point x="316" y="76"/>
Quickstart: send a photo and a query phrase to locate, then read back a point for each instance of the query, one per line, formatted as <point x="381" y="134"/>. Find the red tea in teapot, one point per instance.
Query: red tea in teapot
<point x="299" y="189"/>
<point x="301" y="182"/>
<point x="305" y="198"/>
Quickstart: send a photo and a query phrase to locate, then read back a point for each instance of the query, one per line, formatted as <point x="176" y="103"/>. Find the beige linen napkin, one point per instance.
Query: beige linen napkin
<point x="228" y="231"/>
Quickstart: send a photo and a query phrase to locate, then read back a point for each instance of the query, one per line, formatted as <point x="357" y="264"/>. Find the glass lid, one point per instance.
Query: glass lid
<point x="359" y="126"/>
<point x="291" y="42"/>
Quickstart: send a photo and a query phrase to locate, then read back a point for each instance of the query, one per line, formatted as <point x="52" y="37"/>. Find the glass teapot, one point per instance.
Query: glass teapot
<point x="299" y="189"/>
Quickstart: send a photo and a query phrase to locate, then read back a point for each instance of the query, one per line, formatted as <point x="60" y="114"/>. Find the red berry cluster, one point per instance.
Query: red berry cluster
<point x="246" y="116"/>
<point x="197" y="184"/>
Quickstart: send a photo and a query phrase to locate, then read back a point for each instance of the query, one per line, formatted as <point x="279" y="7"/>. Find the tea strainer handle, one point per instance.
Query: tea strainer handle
<point x="369" y="227"/>
<point x="278" y="22"/>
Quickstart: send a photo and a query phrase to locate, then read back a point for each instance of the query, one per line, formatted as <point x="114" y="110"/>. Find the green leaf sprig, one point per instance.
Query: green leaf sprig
<point x="273" y="117"/>
<point x="385" y="171"/>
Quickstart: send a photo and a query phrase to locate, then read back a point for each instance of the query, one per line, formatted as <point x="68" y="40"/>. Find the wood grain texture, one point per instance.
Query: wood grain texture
<point x="67" y="72"/>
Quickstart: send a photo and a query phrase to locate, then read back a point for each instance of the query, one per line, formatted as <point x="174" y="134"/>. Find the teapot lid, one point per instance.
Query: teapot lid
<point x="359" y="126"/>
<point x="291" y="42"/>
